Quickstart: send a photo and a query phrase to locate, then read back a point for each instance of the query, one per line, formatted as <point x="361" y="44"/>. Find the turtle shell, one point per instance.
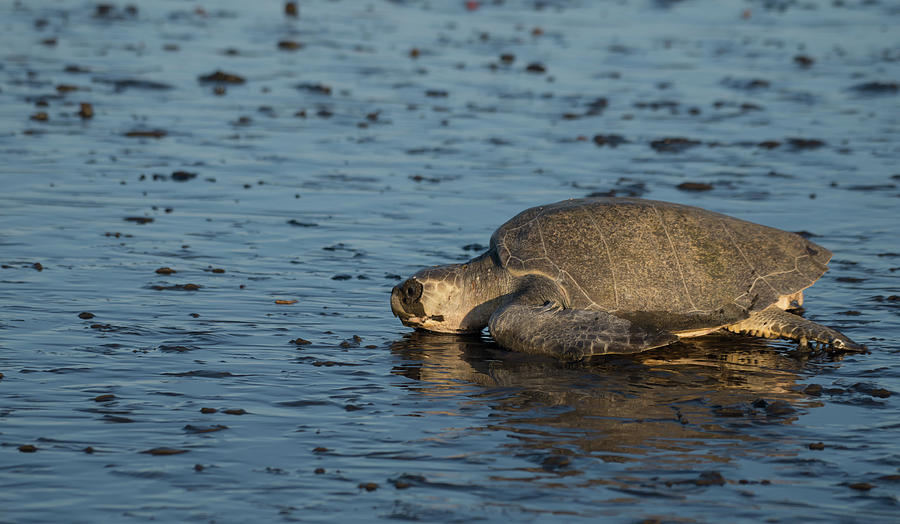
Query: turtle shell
<point x="672" y="265"/>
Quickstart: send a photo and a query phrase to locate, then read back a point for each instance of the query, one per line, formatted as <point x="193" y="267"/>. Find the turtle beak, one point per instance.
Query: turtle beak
<point x="396" y="308"/>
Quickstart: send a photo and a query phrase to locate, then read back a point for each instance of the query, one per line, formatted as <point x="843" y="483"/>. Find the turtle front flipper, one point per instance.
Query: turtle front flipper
<point x="571" y="334"/>
<point x="774" y="322"/>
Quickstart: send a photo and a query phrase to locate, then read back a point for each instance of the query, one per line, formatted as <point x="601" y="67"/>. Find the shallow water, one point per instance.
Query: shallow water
<point x="395" y="137"/>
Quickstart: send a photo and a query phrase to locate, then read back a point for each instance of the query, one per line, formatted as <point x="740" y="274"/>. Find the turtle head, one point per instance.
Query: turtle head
<point x="444" y="299"/>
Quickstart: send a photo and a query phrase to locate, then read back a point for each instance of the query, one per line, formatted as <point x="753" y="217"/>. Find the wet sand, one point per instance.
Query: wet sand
<point x="205" y="207"/>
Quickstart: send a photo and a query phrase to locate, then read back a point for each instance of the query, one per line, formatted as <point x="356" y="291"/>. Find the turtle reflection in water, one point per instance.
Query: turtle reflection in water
<point x="697" y="396"/>
<point x="622" y="275"/>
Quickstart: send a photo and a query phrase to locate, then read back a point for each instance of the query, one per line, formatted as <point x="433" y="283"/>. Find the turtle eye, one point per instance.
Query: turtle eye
<point x="412" y="291"/>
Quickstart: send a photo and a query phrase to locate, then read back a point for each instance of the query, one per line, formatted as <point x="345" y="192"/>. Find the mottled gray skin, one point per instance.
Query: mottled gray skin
<point x="621" y="275"/>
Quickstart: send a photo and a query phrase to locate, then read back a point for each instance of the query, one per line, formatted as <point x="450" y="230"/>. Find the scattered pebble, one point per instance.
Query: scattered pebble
<point x="804" y="61"/>
<point x="597" y="106"/>
<point x="871" y="390"/>
<point x="320" y="89"/>
<point x="746" y="84"/>
<point x="297" y="223"/>
<point x="183" y="176"/>
<point x="609" y="140"/>
<point x="177" y="287"/>
<point x="694" y="186"/>
<point x="174" y="349"/>
<point x="813" y="390"/>
<point x="779" y="408"/>
<point x="352" y="342"/>
<point x="86" y="110"/>
<point x="673" y="144"/>
<point x="554" y="462"/>
<point x="222" y="77"/>
<point x="710" y="478"/>
<point x="146" y="133"/>
<point x="164" y="451"/>
<point x="729" y="411"/>
<point x="805" y="143"/>
<point x="204" y="429"/>
<point x="289" y="45"/>
<point x="117" y="419"/>
<point x="420" y="178"/>
<point x="877" y="88"/>
<point x="139" y="220"/>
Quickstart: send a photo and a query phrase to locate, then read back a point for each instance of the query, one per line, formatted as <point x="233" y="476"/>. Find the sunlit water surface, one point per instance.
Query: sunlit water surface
<point x="369" y="139"/>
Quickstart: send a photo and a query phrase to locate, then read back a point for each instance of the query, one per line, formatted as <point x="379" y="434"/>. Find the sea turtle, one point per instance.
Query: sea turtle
<point x="594" y="276"/>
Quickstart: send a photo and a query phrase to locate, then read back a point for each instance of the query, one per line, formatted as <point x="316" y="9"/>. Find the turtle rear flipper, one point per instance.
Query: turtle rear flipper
<point x="774" y="322"/>
<point x="571" y="334"/>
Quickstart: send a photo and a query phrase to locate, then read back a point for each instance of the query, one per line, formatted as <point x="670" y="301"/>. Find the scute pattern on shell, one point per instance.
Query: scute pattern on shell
<point x="634" y="255"/>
